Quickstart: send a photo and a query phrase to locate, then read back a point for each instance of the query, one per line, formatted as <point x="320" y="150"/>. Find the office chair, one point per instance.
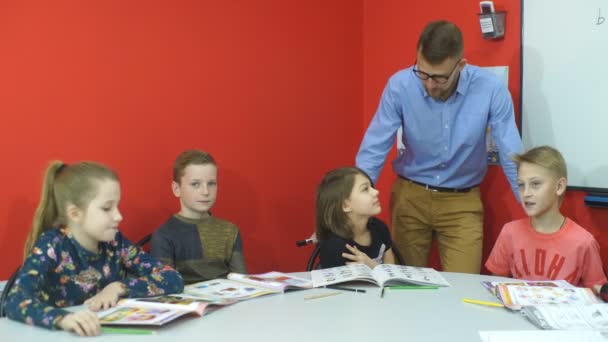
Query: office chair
<point x="7" y="288"/>
<point x="313" y="260"/>
<point x="144" y="241"/>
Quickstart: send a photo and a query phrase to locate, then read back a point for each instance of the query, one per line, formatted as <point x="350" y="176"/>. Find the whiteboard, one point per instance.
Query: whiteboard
<point x="565" y="84"/>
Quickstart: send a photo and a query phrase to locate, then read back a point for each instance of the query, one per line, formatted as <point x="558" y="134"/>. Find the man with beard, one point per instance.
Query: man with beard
<point x="445" y="108"/>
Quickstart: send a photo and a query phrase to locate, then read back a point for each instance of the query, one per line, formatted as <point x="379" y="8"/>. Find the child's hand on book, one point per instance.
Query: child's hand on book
<point x="358" y="257"/>
<point x="107" y="298"/>
<point x="84" y="323"/>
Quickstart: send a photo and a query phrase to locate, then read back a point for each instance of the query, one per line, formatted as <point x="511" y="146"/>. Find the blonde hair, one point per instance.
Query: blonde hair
<point x="546" y="157"/>
<point x="190" y="157"/>
<point x="65" y="184"/>
<point x="335" y="188"/>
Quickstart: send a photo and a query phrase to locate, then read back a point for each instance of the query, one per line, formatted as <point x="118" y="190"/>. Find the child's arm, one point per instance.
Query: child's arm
<point x="237" y="260"/>
<point x="108" y="297"/>
<point x="330" y="253"/>
<point x="389" y="257"/>
<point x="151" y="277"/>
<point x="593" y="271"/>
<point x="161" y="248"/>
<point x="498" y="262"/>
<point x="356" y="256"/>
<point x="26" y="299"/>
<point x="384" y="235"/>
<point x="84" y="323"/>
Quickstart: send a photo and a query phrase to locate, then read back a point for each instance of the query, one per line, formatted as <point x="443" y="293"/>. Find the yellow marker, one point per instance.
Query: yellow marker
<point x="323" y="295"/>
<point x="481" y="302"/>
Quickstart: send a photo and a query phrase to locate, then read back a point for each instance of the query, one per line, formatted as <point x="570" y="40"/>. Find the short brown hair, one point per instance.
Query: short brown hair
<point x="190" y="157"/>
<point x="334" y="189"/>
<point x="440" y="40"/>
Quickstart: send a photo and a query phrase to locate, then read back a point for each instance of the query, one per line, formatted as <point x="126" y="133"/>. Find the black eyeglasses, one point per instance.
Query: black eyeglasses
<point x="441" y="79"/>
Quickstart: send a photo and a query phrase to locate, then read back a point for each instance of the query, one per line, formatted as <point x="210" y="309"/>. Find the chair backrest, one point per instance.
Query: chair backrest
<point x="313" y="260"/>
<point x="144" y="241"/>
<point x="6" y="289"/>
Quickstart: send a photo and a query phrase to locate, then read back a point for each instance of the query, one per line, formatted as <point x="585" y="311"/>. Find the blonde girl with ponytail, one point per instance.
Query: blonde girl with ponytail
<point x="75" y="254"/>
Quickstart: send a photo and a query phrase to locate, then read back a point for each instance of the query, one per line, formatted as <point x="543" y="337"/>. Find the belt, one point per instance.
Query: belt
<point x="439" y="188"/>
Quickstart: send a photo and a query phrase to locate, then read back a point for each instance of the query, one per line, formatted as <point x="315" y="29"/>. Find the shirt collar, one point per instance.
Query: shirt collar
<point x="83" y="252"/>
<point x="191" y="220"/>
<point x="461" y="88"/>
<point x="464" y="81"/>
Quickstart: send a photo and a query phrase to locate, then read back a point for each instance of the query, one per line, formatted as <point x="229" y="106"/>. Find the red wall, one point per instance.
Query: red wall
<point x="268" y="87"/>
<point x="391" y="30"/>
<point x="278" y="91"/>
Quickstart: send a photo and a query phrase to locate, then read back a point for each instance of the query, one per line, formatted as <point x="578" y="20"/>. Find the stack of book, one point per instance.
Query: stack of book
<point x="553" y="304"/>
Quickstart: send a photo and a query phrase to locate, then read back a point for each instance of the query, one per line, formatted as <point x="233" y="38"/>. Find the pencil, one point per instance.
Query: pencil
<point x="382" y="292"/>
<point x="481" y="302"/>
<point x="414" y="287"/>
<point x="323" y="295"/>
<point x="127" y="331"/>
<point x="345" y="288"/>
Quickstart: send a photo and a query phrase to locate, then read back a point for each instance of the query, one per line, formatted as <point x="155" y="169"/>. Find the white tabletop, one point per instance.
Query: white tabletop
<point x="405" y="315"/>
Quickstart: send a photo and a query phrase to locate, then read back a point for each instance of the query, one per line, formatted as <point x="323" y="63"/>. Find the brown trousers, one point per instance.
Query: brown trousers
<point x="456" y="220"/>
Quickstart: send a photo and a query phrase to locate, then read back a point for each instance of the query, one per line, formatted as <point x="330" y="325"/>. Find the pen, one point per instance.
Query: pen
<point x="345" y="289"/>
<point x="413" y="287"/>
<point x="481" y="302"/>
<point x="322" y="295"/>
<point x="127" y="331"/>
<point x="382" y="292"/>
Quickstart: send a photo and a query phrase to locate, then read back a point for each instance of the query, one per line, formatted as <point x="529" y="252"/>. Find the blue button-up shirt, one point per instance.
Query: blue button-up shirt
<point x="445" y="141"/>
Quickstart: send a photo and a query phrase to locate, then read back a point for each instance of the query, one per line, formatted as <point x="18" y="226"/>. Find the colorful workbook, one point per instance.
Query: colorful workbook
<point x="154" y="311"/>
<point x="569" y="317"/>
<point x="245" y="286"/>
<point x="491" y="285"/>
<point x="382" y="275"/>
<point x="515" y="297"/>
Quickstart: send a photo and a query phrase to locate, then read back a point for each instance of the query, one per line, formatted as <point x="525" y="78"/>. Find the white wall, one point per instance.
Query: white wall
<point x="565" y="84"/>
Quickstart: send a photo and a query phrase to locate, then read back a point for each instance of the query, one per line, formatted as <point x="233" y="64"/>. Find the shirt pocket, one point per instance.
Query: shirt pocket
<point x="470" y="128"/>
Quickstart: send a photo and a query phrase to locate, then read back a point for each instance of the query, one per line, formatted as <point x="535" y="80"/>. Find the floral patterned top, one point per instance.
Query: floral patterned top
<point x="60" y="272"/>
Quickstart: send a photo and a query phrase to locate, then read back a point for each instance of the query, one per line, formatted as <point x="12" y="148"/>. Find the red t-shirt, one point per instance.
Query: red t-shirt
<point x="571" y="253"/>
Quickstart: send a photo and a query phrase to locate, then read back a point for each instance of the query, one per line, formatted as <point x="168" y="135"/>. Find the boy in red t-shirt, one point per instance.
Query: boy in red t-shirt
<point x="546" y="245"/>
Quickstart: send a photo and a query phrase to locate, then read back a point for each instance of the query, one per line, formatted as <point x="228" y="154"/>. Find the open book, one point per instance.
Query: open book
<point x="515" y="297"/>
<point x="154" y="311"/>
<point x="381" y="275"/>
<point x="245" y="286"/>
<point x="569" y="317"/>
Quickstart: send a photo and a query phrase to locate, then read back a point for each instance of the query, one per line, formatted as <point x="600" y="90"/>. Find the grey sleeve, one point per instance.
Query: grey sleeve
<point x="162" y="248"/>
<point x="237" y="259"/>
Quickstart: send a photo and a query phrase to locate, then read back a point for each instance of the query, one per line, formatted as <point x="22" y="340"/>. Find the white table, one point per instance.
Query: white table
<point x="402" y="315"/>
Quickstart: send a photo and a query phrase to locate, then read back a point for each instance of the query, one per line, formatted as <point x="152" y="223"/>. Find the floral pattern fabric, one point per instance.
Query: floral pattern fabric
<point x="59" y="273"/>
